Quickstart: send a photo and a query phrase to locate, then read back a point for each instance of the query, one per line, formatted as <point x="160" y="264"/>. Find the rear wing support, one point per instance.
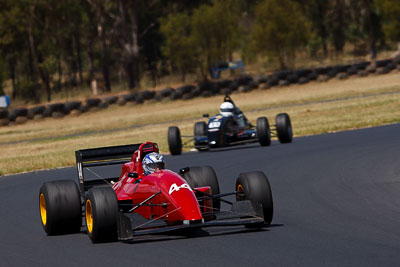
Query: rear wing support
<point x="105" y="156"/>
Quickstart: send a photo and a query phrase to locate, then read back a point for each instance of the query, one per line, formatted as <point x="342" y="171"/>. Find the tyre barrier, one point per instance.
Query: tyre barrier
<point x="322" y="70"/>
<point x="243" y="80"/>
<point x="32" y="112"/>
<point x="185" y="89"/>
<point x="103" y="105"/>
<point x="56" y="110"/>
<point x="303" y="72"/>
<point x="166" y="92"/>
<point x="223" y="84"/>
<point x="273" y="81"/>
<point x="281" y="75"/>
<point x="342" y="76"/>
<point x="3" y="114"/>
<point x="362" y="65"/>
<point x="362" y="73"/>
<point x="4" y="117"/>
<point x="261" y="78"/>
<point x="313" y="76"/>
<point x="243" y="83"/>
<point x="176" y="95"/>
<point x="233" y="86"/>
<point x="284" y="83"/>
<point x="129" y="97"/>
<point x="147" y="95"/>
<point x="206" y="86"/>
<point x="292" y="78"/>
<point x="110" y="100"/>
<point x="303" y="80"/>
<point x="93" y="102"/>
<point x="17" y="112"/>
<point x="72" y="105"/>
<point x="382" y="63"/>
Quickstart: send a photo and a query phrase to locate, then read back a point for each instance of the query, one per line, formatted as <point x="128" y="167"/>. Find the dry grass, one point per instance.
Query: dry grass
<point x="50" y="143"/>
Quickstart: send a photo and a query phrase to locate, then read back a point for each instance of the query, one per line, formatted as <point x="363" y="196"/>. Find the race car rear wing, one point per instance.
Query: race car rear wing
<point x="105" y="156"/>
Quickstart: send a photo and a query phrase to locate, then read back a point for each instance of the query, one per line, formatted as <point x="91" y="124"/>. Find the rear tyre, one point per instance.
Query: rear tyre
<point x="263" y="131"/>
<point x="60" y="207"/>
<point x="101" y="214"/>
<point x="174" y="140"/>
<point x="199" y="176"/>
<point x="255" y="187"/>
<point x="284" y="128"/>
<point x="200" y="129"/>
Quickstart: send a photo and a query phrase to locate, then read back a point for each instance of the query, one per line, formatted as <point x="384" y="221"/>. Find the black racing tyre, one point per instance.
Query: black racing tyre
<point x="200" y="128"/>
<point x="284" y="128"/>
<point x="263" y="131"/>
<point x="93" y="102"/>
<point x="101" y="214"/>
<point x="254" y="186"/>
<point x="18" y="112"/>
<point x="60" y="207"/>
<point x="35" y="111"/>
<point x="174" y="140"/>
<point x="129" y="97"/>
<point x="3" y="114"/>
<point x="72" y="105"/>
<point x="111" y="99"/>
<point x="199" y="176"/>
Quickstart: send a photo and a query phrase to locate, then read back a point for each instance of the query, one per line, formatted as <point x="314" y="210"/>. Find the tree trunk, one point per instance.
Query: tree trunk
<point x="79" y="55"/>
<point x="32" y="50"/>
<point x="130" y="44"/>
<point x="372" y="41"/>
<point x="12" y="66"/>
<point x="45" y="78"/>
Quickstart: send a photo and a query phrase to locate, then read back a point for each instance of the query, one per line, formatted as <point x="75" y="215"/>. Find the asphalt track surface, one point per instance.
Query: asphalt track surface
<point x="336" y="202"/>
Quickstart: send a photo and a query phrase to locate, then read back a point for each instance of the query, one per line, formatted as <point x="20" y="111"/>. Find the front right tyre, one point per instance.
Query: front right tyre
<point x="101" y="214"/>
<point x="254" y="186"/>
<point x="284" y="128"/>
<point x="174" y="140"/>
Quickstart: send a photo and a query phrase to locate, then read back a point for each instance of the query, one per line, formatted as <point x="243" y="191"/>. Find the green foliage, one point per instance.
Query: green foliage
<point x="2" y="77"/>
<point x="390" y="10"/>
<point x="280" y="30"/>
<point x="216" y="33"/>
<point x="178" y="46"/>
<point x="27" y="89"/>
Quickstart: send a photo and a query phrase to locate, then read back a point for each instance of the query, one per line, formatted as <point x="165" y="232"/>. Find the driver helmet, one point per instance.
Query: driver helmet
<point x="226" y="109"/>
<point x="151" y="162"/>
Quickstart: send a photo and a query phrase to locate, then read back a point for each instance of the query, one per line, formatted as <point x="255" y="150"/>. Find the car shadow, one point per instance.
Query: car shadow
<point x="198" y="233"/>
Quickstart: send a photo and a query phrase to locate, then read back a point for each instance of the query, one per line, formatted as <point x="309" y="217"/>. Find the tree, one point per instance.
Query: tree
<point x="390" y="10"/>
<point x="178" y="46"/>
<point x="316" y="11"/>
<point x="215" y="33"/>
<point x="280" y="30"/>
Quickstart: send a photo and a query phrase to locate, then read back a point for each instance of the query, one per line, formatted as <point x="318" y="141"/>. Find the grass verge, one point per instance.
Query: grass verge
<point x="314" y="108"/>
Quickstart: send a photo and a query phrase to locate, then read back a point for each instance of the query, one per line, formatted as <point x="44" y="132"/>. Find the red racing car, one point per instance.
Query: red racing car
<point x="138" y="203"/>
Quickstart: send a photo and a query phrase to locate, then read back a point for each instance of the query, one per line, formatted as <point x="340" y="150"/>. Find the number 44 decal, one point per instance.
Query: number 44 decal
<point x="174" y="187"/>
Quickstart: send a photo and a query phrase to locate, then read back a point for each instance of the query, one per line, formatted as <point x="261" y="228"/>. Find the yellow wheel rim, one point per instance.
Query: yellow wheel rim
<point x="89" y="216"/>
<point x="240" y="189"/>
<point x="43" y="212"/>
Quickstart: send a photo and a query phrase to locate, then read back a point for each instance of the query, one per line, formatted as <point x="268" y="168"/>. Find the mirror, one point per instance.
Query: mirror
<point x="133" y="175"/>
<point x="206" y="115"/>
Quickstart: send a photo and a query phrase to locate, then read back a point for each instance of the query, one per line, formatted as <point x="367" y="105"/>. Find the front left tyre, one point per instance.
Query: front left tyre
<point x="263" y="131"/>
<point x="199" y="176"/>
<point x="60" y="207"/>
